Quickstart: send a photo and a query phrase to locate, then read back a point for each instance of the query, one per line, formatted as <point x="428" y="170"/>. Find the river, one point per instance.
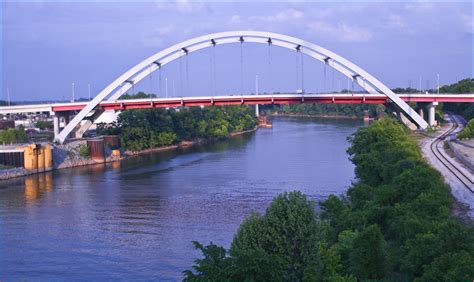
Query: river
<point x="136" y="219"/>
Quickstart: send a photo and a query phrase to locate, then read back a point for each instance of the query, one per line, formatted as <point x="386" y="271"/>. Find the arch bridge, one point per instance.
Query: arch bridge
<point x="109" y="97"/>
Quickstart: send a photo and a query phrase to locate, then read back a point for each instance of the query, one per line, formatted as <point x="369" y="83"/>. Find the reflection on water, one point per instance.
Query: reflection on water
<point x="37" y="185"/>
<point x="136" y="219"/>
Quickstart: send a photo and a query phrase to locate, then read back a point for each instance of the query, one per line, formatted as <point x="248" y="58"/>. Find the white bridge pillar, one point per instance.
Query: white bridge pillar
<point x="431" y="113"/>
<point x="257" y="113"/>
<point x="56" y="124"/>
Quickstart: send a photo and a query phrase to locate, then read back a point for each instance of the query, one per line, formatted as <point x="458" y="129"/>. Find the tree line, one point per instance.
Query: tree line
<point x="393" y="223"/>
<point x="12" y="135"/>
<point x="350" y="110"/>
<point x="462" y="86"/>
<point x="148" y="128"/>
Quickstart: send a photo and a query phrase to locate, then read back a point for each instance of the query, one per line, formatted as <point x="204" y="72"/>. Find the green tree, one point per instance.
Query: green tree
<point x="468" y="131"/>
<point x="213" y="267"/>
<point x="43" y="124"/>
<point x="368" y="257"/>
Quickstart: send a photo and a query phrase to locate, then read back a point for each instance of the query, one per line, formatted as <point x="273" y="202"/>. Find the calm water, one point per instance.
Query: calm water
<point x="136" y="219"/>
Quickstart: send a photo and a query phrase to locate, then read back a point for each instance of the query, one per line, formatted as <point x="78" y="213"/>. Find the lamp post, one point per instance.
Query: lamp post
<point x="420" y="86"/>
<point x="438" y="82"/>
<point x="8" y="96"/>
<point x="73" y="99"/>
<point x="257" y="112"/>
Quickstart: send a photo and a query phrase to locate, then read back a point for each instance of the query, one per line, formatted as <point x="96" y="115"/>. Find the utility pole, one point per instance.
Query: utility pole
<point x="174" y="90"/>
<point x="257" y="112"/>
<point x="166" y="87"/>
<point x="438" y="82"/>
<point x="89" y="91"/>
<point x="8" y="96"/>
<point x="73" y="98"/>
<point x="256" y="84"/>
<point x="421" y="91"/>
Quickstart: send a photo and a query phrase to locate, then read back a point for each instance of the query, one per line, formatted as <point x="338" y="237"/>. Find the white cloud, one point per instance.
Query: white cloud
<point x="235" y="19"/>
<point x="283" y="16"/>
<point x="340" y="32"/>
<point x="396" y="21"/>
<point x="420" y="7"/>
<point x="155" y="37"/>
<point x="164" y="30"/>
<point x="468" y="22"/>
<point x="184" y="7"/>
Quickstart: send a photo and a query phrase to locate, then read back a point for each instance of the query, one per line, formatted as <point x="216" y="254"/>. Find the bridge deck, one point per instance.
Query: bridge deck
<point x="264" y="99"/>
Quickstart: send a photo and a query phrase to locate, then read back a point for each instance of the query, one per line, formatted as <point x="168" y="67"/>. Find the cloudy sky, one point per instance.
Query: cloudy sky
<point x="48" y="45"/>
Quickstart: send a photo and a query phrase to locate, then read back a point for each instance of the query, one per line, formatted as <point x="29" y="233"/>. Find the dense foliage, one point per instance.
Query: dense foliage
<point x="463" y="86"/>
<point x="11" y="135"/>
<point x="405" y="90"/>
<point x="147" y="128"/>
<point x="468" y="131"/>
<point x="355" y="110"/>
<point x="394" y="223"/>
<point x="139" y="95"/>
<point x="44" y="124"/>
<point x="82" y="150"/>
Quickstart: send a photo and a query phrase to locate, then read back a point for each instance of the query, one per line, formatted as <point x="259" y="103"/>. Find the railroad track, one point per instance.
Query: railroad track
<point x="458" y="173"/>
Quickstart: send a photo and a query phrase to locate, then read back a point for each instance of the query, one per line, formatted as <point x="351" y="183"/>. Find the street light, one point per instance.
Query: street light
<point x="8" y="96"/>
<point x="438" y="83"/>
<point x="256" y="84"/>
<point x="73" y="92"/>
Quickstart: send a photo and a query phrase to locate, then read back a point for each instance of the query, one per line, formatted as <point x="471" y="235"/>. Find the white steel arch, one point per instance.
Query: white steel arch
<point x="124" y="82"/>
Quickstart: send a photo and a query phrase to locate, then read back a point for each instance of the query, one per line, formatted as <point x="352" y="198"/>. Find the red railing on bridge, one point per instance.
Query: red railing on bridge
<point x="266" y="99"/>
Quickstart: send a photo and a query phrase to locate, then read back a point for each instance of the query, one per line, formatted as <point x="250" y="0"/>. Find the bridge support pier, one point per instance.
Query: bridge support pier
<point x="431" y="113"/>
<point x="257" y="112"/>
<point x="57" y="118"/>
<point x="421" y="112"/>
<point x="56" y="124"/>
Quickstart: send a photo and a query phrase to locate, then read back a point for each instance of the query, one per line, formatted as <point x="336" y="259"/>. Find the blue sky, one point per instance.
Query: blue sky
<point x="47" y="45"/>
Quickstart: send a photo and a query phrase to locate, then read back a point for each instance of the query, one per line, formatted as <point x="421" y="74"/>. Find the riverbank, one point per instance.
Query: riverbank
<point x="64" y="156"/>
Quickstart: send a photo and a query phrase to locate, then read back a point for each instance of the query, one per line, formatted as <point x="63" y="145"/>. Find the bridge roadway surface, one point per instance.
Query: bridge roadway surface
<point x="263" y="99"/>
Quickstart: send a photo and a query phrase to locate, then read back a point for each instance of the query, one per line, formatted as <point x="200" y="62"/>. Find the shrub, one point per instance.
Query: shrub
<point x="468" y="131"/>
<point x="83" y="150"/>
